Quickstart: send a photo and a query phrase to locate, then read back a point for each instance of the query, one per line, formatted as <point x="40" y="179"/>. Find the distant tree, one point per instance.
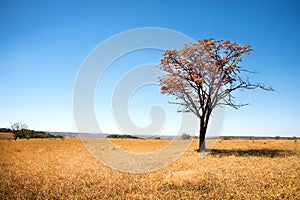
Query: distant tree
<point x="20" y="130"/>
<point x="204" y="75"/>
<point x="185" y="136"/>
<point x="17" y="129"/>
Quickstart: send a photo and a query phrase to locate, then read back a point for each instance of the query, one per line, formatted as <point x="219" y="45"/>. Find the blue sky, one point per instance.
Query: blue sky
<point x="44" y="43"/>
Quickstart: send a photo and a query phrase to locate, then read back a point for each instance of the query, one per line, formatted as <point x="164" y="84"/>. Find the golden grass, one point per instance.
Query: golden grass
<point x="236" y="169"/>
<point x="6" y="136"/>
<point x="139" y="145"/>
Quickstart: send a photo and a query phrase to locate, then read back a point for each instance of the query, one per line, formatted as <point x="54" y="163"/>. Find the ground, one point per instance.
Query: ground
<point x="235" y="169"/>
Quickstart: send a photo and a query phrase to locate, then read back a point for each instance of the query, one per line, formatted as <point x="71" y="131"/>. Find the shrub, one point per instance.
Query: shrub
<point x="185" y="136"/>
<point x="225" y="138"/>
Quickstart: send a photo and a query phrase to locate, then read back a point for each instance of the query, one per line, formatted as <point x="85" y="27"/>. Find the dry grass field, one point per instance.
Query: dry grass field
<point x="236" y="169"/>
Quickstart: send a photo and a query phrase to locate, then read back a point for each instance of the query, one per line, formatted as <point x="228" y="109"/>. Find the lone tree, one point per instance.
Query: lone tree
<point x="204" y="75"/>
<point x="17" y="128"/>
<point x="185" y="136"/>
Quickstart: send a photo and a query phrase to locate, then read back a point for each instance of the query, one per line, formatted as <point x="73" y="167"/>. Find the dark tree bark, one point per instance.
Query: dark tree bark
<point x="15" y="135"/>
<point x="202" y="134"/>
<point x="204" y="119"/>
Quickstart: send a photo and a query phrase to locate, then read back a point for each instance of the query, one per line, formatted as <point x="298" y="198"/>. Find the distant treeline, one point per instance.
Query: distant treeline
<point x="5" y="130"/>
<point x="27" y="134"/>
<point x="122" y="136"/>
<point x="257" y="138"/>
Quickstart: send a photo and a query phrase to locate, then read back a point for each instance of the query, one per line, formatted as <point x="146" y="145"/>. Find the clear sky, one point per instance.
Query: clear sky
<point x="44" y="43"/>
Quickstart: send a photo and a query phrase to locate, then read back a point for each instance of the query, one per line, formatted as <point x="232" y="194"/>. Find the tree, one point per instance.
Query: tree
<point x="17" y="129"/>
<point x="186" y="136"/>
<point x="204" y="75"/>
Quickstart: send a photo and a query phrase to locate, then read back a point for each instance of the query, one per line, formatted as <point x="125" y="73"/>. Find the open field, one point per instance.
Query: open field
<point x="4" y="136"/>
<point x="236" y="169"/>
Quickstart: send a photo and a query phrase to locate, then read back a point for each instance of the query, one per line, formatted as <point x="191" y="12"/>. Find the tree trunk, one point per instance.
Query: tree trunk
<point x="203" y="127"/>
<point x="15" y="135"/>
<point x="202" y="139"/>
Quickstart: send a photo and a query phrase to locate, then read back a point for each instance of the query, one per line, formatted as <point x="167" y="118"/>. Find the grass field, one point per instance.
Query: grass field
<point x="235" y="169"/>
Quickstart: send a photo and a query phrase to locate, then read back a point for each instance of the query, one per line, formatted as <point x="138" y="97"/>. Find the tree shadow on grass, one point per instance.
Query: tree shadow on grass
<point x="271" y="153"/>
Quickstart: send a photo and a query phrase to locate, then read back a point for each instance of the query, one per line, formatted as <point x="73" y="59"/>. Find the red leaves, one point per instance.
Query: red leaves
<point x="221" y="62"/>
<point x="237" y="54"/>
<point x="163" y="89"/>
<point x="199" y="80"/>
<point x="227" y="79"/>
<point x="209" y="61"/>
